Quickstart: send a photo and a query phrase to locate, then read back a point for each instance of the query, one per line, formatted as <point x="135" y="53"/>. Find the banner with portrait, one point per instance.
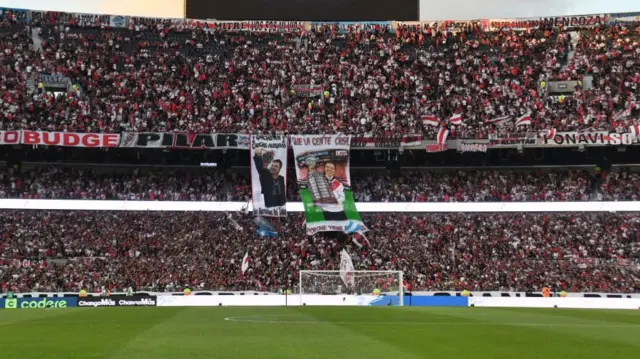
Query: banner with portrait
<point x="322" y="170"/>
<point x="269" y="175"/>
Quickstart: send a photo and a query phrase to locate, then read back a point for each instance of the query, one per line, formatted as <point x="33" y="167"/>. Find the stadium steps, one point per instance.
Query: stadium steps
<point x="37" y="41"/>
<point x="575" y="37"/>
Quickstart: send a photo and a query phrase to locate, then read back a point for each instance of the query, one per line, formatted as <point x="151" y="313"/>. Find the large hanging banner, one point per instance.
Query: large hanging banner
<point x="322" y="169"/>
<point x="269" y="175"/>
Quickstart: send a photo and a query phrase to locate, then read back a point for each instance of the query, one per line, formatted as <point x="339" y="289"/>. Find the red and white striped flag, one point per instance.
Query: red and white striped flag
<point x="635" y="130"/>
<point x="524" y="120"/>
<point x="498" y="120"/>
<point x="245" y="262"/>
<point x="550" y="133"/>
<point x="456" y="119"/>
<point x="621" y="115"/>
<point x="443" y="133"/>
<point x="429" y="120"/>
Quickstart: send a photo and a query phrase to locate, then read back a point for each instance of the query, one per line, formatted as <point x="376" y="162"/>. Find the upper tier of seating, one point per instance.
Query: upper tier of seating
<point x="159" y="76"/>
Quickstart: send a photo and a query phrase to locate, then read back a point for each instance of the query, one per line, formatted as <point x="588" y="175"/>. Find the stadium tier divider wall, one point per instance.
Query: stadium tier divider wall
<point x="371" y="207"/>
<point x="212" y="141"/>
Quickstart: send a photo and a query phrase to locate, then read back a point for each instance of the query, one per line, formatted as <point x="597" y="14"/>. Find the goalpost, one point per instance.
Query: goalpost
<point x="334" y="287"/>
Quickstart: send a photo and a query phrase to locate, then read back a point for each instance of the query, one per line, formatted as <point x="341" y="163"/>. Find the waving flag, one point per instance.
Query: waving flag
<point x="359" y="239"/>
<point x="347" y="269"/>
<point x="443" y="133"/>
<point x="524" y="120"/>
<point x="456" y="119"/>
<point x="621" y="115"/>
<point x="550" y="133"/>
<point x="245" y="262"/>
<point x="498" y="120"/>
<point x="352" y="227"/>
<point x="429" y="120"/>
<point x="262" y="222"/>
<point x="266" y="232"/>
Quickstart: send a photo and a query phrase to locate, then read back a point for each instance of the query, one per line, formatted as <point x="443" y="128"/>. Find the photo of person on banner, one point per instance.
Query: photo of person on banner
<point x="327" y="190"/>
<point x="322" y="170"/>
<point x="272" y="184"/>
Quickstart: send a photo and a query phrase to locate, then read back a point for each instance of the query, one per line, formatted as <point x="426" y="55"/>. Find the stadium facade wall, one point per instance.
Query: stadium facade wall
<point x="491" y="9"/>
<point x="577" y="303"/>
<point x="393" y="207"/>
<point x="147" y="8"/>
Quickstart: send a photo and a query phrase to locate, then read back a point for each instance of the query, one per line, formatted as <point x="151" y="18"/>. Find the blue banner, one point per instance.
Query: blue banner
<point x="345" y="27"/>
<point x="16" y="14"/>
<point x="624" y="18"/>
<point x="38" y="303"/>
<point x="421" y="301"/>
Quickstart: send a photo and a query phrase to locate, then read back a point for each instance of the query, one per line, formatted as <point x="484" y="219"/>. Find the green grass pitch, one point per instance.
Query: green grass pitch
<point x="318" y="332"/>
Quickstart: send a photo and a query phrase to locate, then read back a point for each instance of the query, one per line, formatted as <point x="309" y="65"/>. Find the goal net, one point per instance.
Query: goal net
<point x="353" y="288"/>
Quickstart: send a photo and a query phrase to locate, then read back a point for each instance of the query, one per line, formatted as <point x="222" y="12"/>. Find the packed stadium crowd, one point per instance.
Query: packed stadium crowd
<point x="155" y="75"/>
<point x="168" y="251"/>
<point x="159" y="76"/>
<point x="51" y="182"/>
<point x="54" y="182"/>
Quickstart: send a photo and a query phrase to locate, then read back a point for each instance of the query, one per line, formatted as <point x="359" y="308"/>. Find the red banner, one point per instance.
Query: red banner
<point x="566" y="21"/>
<point x="9" y="137"/>
<point x="70" y="139"/>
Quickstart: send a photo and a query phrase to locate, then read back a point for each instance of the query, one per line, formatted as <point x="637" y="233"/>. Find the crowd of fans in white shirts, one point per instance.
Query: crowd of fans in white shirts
<point x="489" y="185"/>
<point x="158" y="76"/>
<point x="169" y="251"/>
<point x="155" y="76"/>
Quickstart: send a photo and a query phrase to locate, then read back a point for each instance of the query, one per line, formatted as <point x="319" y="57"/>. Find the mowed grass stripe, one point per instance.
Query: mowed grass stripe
<point x="573" y="332"/>
<point x="619" y="328"/>
<point x="585" y="317"/>
<point x="12" y="317"/>
<point x="207" y="334"/>
<point x="335" y="332"/>
<point x="504" y="331"/>
<point x="75" y="333"/>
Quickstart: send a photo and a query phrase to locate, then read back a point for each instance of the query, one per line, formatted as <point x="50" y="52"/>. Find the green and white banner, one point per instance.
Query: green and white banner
<point x="322" y="169"/>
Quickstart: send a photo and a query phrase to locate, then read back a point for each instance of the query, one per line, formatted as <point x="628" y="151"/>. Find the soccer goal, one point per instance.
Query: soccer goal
<point x="336" y="287"/>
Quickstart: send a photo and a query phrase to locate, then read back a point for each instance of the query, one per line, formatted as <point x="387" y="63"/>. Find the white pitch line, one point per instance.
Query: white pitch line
<point x="275" y="320"/>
